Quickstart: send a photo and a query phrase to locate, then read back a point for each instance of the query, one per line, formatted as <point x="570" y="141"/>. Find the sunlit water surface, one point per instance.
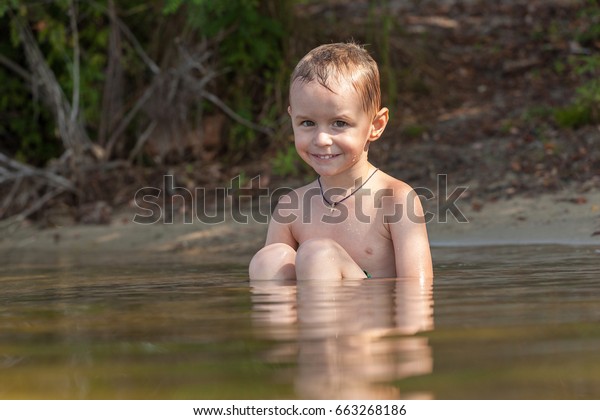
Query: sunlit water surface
<point x="497" y="323"/>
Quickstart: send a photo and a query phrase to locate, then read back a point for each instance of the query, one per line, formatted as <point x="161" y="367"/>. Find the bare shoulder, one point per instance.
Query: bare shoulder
<point x="398" y="191"/>
<point x="407" y="228"/>
<point x="290" y="203"/>
<point x="292" y="196"/>
<point x="286" y="213"/>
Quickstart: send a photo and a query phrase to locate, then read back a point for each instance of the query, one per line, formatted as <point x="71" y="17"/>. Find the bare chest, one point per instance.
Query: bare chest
<point x="360" y="230"/>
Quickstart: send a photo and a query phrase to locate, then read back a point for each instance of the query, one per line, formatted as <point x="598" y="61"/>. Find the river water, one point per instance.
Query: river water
<point x="520" y="322"/>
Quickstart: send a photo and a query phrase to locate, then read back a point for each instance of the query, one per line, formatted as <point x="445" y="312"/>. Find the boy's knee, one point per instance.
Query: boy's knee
<point x="270" y="259"/>
<point x="272" y="253"/>
<point x="315" y="251"/>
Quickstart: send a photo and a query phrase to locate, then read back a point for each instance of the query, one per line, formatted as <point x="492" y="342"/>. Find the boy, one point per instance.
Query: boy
<point x="354" y="221"/>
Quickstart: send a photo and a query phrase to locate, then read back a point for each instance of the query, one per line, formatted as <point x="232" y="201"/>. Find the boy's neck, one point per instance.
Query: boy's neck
<point x="349" y="179"/>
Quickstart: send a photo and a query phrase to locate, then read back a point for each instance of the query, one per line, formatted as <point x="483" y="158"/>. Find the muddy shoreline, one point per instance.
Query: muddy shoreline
<point x="562" y="218"/>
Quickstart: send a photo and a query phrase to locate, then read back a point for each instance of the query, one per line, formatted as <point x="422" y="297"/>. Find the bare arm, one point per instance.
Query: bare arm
<point x="409" y="236"/>
<point x="280" y="230"/>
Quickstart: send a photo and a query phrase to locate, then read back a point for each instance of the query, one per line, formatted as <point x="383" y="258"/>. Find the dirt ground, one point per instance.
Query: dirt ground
<point x="557" y="218"/>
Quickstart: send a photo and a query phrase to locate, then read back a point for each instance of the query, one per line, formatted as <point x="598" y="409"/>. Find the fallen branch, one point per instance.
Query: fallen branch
<point x="27" y="193"/>
<point x="37" y="205"/>
<point x="22" y="170"/>
<point x="10" y="197"/>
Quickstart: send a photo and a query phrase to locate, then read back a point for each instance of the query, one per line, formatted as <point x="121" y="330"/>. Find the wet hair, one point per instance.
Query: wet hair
<point x="342" y="61"/>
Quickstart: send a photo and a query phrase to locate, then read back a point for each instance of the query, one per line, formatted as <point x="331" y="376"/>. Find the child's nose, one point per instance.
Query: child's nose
<point x="322" y="138"/>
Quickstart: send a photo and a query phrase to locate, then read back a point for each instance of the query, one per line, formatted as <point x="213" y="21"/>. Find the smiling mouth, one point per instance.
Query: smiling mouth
<point x="325" y="157"/>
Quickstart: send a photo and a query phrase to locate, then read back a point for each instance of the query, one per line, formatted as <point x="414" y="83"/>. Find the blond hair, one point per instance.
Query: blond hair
<point x="349" y="61"/>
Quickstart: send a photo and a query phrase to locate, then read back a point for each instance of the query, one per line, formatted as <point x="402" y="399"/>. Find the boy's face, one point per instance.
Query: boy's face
<point x="332" y="131"/>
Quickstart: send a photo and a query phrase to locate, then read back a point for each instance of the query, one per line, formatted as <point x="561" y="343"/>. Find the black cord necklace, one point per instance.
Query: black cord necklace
<point x="332" y="204"/>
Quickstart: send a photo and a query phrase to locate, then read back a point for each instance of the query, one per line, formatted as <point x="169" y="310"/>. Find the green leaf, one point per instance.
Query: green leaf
<point x="171" y="6"/>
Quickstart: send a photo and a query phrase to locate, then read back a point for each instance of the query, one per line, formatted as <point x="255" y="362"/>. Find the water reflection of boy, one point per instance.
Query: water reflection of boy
<point x="351" y="336"/>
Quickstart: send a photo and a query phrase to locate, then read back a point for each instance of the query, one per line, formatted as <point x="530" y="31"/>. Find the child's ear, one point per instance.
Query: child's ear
<point x="290" y="110"/>
<point x="379" y="123"/>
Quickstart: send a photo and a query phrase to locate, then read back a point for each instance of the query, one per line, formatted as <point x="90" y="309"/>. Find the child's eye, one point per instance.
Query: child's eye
<point x="340" y="124"/>
<point x="307" y="124"/>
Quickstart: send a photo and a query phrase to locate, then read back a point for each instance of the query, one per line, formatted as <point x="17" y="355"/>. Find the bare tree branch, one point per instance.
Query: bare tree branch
<point x="28" y="193"/>
<point x="10" y="197"/>
<point x="141" y="141"/>
<point x="127" y="119"/>
<point x="112" y="95"/>
<point x="234" y="116"/>
<point x="72" y="134"/>
<point x="22" y="170"/>
<point x="15" y="68"/>
<point x="138" y="48"/>
<point x="37" y="205"/>
<point x="76" y="64"/>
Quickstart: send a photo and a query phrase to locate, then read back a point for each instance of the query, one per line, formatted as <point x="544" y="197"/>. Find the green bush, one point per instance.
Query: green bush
<point x="286" y="162"/>
<point x="585" y="108"/>
<point x="589" y="32"/>
<point x="250" y="57"/>
<point x="573" y="116"/>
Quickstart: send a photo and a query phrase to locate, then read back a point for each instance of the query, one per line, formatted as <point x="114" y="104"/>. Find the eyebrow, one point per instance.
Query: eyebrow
<point x="336" y="117"/>
<point x="302" y="117"/>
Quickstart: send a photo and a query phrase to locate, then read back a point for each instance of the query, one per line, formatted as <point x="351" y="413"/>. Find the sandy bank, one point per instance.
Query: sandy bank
<point x="561" y="218"/>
